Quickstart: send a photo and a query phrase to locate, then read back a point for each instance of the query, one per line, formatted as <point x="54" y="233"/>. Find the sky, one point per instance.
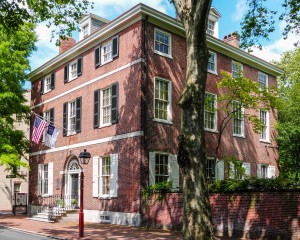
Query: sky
<point x="231" y="11"/>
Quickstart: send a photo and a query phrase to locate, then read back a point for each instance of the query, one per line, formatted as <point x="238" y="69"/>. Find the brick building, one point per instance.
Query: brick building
<point x="115" y="93"/>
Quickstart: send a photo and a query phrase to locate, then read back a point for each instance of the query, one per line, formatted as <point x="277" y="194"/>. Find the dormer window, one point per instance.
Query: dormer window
<point x="211" y="27"/>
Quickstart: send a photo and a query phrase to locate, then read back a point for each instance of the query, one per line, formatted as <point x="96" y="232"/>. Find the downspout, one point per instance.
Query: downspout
<point x="144" y="111"/>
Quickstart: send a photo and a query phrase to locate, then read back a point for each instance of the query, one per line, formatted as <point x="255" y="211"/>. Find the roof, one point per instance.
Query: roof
<point x="135" y="14"/>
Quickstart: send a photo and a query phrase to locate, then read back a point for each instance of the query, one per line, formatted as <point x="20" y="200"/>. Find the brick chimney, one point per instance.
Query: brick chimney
<point x="232" y="39"/>
<point x="66" y="44"/>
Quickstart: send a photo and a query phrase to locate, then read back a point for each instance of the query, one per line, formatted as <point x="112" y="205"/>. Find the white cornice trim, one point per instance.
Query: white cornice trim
<point x="90" y="82"/>
<point x="137" y="13"/>
<point x="93" y="142"/>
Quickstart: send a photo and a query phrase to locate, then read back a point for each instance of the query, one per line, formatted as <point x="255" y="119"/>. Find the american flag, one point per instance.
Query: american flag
<point x="38" y="129"/>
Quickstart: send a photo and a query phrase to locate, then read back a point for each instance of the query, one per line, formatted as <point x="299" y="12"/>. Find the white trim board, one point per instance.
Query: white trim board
<point x="90" y="82"/>
<point x="93" y="142"/>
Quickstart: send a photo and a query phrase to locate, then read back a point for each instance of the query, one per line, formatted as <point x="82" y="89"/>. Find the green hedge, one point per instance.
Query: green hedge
<point x="253" y="185"/>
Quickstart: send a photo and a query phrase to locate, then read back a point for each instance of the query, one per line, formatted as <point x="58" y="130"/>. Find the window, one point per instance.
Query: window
<point x="211" y="169"/>
<point x="162" y="43"/>
<point x="45" y="179"/>
<point x="48" y="83"/>
<point x="265" y="171"/>
<point x="264" y="118"/>
<point x="210" y="27"/>
<point x="49" y="118"/>
<point x="107" y="52"/>
<point x="106" y="106"/>
<point x="236" y="169"/>
<point x="237" y="69"/>
<point x="17" y="187"/>
<point x="238" y="118"/>
<point x="73" y="70"/>
<point x="163" y="167"/>
<point x="263" y="80"/>
<point x="72" y="117"/>
<point x="85" y="30"/>
<point x="212" y="63"/>
<point x="162" y="100"/>
<point x="210" y="112"/>
<point x="105" y="176"/>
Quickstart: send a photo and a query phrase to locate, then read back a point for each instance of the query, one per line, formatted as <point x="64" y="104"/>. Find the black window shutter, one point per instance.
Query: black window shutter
<point x="97" y="57"/>
<point x="115" y="44"/>
<point x="78" y="114"/>
<point x="52" y="115"/>
<point x="66" y="74"/>
<point x="52" y="80"/>
<point x="42" y="86"/>
<point x="96" y="108"/>
<point x="65" y="119"/>
<point x="79" y="66"/>
<point x="114" y="103"/>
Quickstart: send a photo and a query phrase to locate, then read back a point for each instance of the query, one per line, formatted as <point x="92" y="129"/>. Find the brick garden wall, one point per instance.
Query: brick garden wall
<point x="246" y="215"/>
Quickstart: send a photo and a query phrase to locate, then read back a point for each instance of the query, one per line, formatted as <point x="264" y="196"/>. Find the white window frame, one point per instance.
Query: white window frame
<point x="43" y="180"/>
<point x="47" y="84"/>
<point x="85" y="30"/>
<point x="17" y="189"/>
<point x="72" y="77"/>
<point x="70" y="132"/>
<point x="215" y="120"/>
<point x="211" y="169"/>
<point x="211" y="27"/>
<point x="242" y="121"/>
<point x="102" y="124"/>
<point x="266" y="77"/>
<point x="266" y="129"/>
<point x="169" y="54"/>
<point x="101" y="176"/>
<point x="233" y="71"/>
<point x="110" y="53"/>
<point x="46" y="116"/>
<point x="215" y="63"/>
<point x="169" y="106"/>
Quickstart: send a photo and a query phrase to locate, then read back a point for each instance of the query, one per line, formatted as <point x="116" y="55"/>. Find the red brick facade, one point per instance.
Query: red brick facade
<point x="134" y="69"/>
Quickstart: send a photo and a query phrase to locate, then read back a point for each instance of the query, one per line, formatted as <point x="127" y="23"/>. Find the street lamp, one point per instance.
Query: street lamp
<point x="84" y="158"/>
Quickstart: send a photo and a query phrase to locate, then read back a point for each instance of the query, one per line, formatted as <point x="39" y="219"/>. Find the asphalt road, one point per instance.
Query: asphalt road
<point x="9" y="234"/>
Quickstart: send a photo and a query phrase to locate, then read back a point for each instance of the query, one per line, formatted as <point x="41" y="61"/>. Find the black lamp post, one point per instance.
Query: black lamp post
<point x="84" y="158"/>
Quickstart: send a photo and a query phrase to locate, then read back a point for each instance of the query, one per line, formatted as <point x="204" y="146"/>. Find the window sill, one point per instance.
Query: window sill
<point x="211" y="130"/>
<point x="239" y="136"/>
<point x="163" y="54"/>
<point x="47" y="91"/>
<point x="264" y="141"/>
<point x="105" y="125"/>
<point x="102" y="64"/>
<point x="71" y="134"/>
<point x="104" y="197"/>
<point x="162" y="121"/>
<point x="215" y="73"/>
<point x="70" y="80"/>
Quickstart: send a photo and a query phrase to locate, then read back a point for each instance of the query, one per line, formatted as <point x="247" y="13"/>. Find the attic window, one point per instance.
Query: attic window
<point x="85" y="30"/>
<point x="210" y="27"/>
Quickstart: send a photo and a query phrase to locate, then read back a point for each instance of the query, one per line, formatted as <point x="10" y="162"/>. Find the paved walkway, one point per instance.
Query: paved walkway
<point x="69" y="230"/>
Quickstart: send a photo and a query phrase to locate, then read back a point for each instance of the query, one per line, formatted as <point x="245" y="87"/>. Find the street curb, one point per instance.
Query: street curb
<point x="33" y="233"/>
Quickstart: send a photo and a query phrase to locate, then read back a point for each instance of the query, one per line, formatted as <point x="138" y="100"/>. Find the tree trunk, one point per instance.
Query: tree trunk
<point x="197" y="221"/>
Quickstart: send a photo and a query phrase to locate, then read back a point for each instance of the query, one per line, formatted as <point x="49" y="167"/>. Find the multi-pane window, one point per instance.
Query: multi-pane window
<point x="106" y="106"/>
<point x="162" y="99"/>
<point x="263" y="80"/>
<point x="237" y="69"/>
<point x="45" y="180"/>
<point x="238" y="118"/>
<point x="264" y="118"/>
<point x="73" y="70"/>
<point x="85" y="30"/>
<point x="105" y="175"/>
<point x="162" y="42"/>
<point x="210" y="27"/>
<point x="17" y="187"/>
<point x="211" y="169"/>
<point x="107" y="52"/>
<point x="264" y="171"/>
<point x="161" y="168"/>
<point x="47" y="117"/>
<point x="72" y="117"/>
<point x="47" y="84"/>
<point x="212" y="62"/>
<point x="210" y="113"/>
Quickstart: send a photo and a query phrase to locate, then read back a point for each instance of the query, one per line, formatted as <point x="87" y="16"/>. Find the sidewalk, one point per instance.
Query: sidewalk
<point x="69" y="230"/>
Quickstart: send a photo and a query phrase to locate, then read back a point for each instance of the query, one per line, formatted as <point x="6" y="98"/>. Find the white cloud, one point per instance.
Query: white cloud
<point x="240" y="10"/>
